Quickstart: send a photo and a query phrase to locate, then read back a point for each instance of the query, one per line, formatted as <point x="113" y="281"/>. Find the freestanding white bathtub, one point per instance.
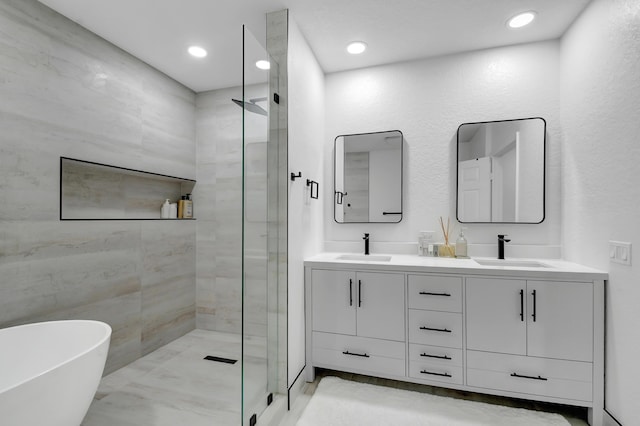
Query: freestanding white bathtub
<point x="50" y="371"/>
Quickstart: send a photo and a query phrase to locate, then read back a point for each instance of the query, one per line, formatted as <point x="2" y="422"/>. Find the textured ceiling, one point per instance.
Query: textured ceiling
<point x="159" y="31"/>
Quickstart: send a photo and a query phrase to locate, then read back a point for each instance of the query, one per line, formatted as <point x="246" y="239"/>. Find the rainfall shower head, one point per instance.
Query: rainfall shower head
<point x="251" y="105"/>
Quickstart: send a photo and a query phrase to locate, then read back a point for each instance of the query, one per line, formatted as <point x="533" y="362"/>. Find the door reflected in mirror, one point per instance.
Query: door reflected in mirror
<point x="368" y="177"/>
<point x="501" y="171"/>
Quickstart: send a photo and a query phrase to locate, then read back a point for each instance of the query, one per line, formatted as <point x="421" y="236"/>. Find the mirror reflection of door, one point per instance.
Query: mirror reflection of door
<point x="474" y="180"/>
<point x="501" y="171"/>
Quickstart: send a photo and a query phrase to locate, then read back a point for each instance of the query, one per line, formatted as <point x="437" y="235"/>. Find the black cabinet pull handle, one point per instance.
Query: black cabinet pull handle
<point x="359" y="293"/>
<point x="521" y="305"/>
<point x="442" y="330"/>
<point x="350" y="292"/>
<point x="436" y="356"/>
<point x="534" y="305"/>
<point x="352" y="354"/>
<point x="428" y="293"/>
<point x="435" y="374"/>
<point x="528" y="377"/>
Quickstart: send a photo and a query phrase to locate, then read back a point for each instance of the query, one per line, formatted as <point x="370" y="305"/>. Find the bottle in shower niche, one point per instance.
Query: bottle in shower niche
<point x="188" y="207"/>
<point x="181" y="206"/>
<point x="165" y="209"/>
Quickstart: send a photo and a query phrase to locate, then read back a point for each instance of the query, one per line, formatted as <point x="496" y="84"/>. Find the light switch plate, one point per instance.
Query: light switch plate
<point x="620" y="252"/>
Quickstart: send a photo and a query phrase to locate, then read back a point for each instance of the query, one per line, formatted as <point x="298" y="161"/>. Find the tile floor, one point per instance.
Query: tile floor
<point x="175" y="386"/>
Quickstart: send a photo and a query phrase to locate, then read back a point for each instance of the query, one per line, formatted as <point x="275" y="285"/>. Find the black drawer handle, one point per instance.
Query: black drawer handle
<point x="528" y="377"/>
<point x="441" y="330"/>
<point x="359" y="293"/>
<point x="428" y="293"/>
<point x="352" y="354"/>
<point x="435" y="356"/>
<point x="435" y="374"/>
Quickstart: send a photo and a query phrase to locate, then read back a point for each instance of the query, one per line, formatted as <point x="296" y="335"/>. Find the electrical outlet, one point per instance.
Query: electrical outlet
<point x="620" y="252"/>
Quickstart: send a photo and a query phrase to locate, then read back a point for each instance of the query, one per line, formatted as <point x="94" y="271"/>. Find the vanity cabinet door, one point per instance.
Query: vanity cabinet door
<point x="380" y="312"/>
<point x="333" y="301"/>
<point x="496" y="315"/>
<point x="560" y="325"/>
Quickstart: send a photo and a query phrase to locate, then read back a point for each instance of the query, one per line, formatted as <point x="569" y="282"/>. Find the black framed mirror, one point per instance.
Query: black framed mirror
<point x="501" y="171"/>
<point x="368" y="177"/>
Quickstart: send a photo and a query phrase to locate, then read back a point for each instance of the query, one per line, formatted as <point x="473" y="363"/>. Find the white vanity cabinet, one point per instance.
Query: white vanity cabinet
<point x="549" y="319"/>
<point x="358" y="320"/>
<point x="519" y="332"/>
<point x="530" y="336"/>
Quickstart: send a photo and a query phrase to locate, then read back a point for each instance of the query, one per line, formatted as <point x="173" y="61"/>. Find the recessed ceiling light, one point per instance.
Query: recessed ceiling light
<point x="521" y="19"/>
<point x="263" y="65"/>
<point x="356" y="47"/>
<point x="197" y="51"/>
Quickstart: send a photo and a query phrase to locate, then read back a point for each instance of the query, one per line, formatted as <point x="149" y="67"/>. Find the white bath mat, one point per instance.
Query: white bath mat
<point x="338" y="402"/>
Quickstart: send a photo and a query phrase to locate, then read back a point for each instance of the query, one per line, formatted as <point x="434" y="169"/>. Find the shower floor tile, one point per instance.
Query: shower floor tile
<point x="174" y="385"/>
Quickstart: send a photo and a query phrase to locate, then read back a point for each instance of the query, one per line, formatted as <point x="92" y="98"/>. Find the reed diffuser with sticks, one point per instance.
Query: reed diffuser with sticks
<point x="446" y="250"/>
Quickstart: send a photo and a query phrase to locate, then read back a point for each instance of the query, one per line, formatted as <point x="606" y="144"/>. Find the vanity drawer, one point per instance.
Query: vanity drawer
<point x="435" y="328"/>
<point x="436" y="355"/>
<point x="435" y="293"/>
<point x="435" y="372"/>
<point x="543" y="376"/>
<point x="352" y="353"/>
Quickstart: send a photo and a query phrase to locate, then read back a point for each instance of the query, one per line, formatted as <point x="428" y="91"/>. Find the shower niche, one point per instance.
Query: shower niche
<point x="95" y="191"/>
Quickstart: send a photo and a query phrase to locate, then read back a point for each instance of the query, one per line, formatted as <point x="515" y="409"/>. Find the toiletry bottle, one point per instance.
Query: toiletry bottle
<point x="165" y="209"/>
<point x="173" y="211"/>
<point x="181" y="206"/>
<point x="461" y="245"/>
<point x="188" y="207"/>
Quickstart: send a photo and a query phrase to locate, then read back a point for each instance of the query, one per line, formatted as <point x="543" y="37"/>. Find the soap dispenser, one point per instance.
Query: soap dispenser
<point x="461" y="245"/>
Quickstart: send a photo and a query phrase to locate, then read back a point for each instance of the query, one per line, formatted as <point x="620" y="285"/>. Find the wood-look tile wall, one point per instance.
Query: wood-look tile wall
<point x="66" y="92"/>
<point x="220" y="219"/>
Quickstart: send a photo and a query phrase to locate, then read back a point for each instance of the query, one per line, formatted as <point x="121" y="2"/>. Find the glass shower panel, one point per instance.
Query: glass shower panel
<point x="257" y="324"/>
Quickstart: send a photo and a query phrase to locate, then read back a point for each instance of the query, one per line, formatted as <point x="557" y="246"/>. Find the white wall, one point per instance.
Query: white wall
<point x="306" y="130"/>
<point x="601" y="171"/>
<point x="427" y="100"/>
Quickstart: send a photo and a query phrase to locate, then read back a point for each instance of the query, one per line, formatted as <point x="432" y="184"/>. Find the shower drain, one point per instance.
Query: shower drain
<point x="219" y="359"/>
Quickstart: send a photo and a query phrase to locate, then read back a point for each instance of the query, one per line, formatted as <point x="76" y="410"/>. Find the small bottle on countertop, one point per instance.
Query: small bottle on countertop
<point x="188" y="207"/>
<point x="173" y="211"/>
<point x="165" y="209"/>
<point x="461" y="245"/>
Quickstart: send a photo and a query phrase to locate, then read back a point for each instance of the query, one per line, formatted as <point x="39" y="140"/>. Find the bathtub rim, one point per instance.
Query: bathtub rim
<point x="106" y="327"/>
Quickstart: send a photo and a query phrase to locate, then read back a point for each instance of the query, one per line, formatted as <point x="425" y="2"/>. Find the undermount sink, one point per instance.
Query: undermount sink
<point x="515" y="263"/>
<point x="365" y="257"/>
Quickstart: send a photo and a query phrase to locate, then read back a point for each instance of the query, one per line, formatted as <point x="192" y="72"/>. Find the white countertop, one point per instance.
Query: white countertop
<point x="554" y="269"/>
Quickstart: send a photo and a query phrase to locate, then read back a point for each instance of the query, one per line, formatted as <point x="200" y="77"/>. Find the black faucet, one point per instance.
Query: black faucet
<point x="366" y="243"/>
<point x="501" y="241"/>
